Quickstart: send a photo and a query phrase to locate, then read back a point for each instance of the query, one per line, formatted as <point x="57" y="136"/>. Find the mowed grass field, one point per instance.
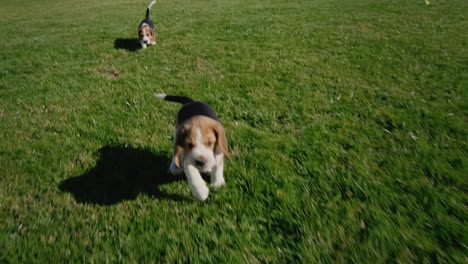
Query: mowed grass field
<point x="347" y="122"/>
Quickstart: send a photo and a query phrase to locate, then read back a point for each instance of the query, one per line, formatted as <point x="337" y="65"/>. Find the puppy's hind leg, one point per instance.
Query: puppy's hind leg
<point x="196" y="182"/>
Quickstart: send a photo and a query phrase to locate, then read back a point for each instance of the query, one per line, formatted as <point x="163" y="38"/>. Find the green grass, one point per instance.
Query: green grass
<point x="347" y="122"/>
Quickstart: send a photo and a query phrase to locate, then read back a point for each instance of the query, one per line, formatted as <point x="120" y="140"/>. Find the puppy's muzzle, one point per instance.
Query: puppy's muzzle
<point x="199" y="163"/>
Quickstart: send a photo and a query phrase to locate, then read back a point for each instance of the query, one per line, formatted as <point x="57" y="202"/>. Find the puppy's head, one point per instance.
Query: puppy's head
<point x="146" y="34"/>
<point x="198" y="141"/>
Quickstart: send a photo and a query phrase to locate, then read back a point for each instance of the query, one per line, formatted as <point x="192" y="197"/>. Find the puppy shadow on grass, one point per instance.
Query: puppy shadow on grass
<point x="122" y="173"/>
<point x="129" y="44"/>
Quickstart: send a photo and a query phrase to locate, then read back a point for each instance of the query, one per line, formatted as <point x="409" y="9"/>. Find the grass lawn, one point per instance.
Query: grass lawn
<point x="347" y="122"/>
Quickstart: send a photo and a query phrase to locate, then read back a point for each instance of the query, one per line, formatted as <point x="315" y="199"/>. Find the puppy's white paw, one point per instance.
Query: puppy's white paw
<point x="201" y="193"/>
<point x="218" y="184"/>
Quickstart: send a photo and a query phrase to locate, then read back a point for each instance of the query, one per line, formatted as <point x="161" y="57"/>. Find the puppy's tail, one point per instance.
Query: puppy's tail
<point x="149" y="7"/>
<point x="171" y="98"/>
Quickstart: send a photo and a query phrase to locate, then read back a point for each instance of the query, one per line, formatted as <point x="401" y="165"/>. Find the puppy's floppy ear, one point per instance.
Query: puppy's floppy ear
<point x="221" y="140"/>
<point x="179" y="145"/>
<point x="153" y="37"/>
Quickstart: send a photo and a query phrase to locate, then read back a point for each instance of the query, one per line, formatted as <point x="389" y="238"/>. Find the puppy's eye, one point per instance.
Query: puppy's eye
<point x="210" y="143"/>
<point x="190" y="145"/>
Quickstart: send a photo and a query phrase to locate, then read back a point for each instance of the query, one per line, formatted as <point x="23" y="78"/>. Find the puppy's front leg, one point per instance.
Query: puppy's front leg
<point x="217" y="178"/>
<point x="196" y="183"/>
<point x="174" y="169"/>
<point x="143" y="45"/>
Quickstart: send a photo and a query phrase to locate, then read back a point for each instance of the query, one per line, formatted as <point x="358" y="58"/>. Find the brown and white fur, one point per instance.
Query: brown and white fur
<point x="146" y="32"/>
<point x="200" y="145"/>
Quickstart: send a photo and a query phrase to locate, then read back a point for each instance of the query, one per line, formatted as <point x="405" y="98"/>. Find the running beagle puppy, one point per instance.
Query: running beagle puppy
<point x="200" y="145"/>
<point x="146" y="32"/>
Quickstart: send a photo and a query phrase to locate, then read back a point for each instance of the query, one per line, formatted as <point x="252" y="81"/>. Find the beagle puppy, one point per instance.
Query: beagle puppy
<point x="200" y="145"/>
<point x="146" y="32"/>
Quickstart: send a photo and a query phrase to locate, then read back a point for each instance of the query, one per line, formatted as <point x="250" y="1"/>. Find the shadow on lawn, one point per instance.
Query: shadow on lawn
<point x="122" y="174"/>
<point x="127" y="44"/>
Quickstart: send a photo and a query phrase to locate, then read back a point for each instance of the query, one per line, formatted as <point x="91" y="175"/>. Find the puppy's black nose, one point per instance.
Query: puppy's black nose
<point x="199" y="163"/>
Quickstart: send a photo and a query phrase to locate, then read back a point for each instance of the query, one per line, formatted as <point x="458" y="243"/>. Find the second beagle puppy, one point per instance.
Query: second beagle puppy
<point x="200" y="145"/>
<point x="146" y="32"/>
